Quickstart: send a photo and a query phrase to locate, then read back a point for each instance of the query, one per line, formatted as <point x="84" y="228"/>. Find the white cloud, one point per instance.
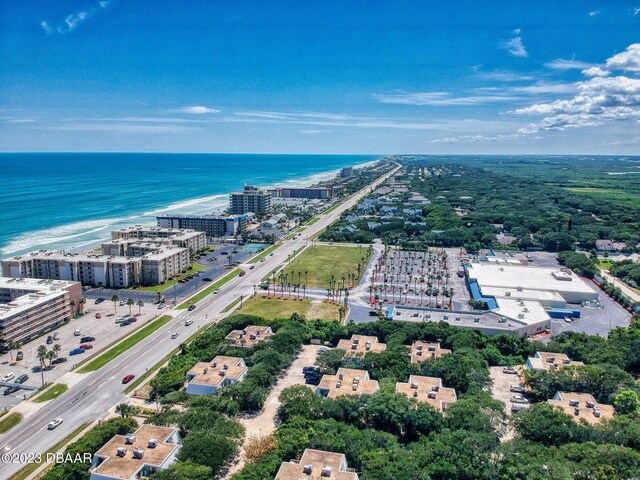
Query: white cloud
<point x="629" y="60"/>
<point x="636" y="11"/>
<point x="595" y="72"/>
<point x="594" y="13"/>
<point x="441" y="99"/>
<point x="474" y="139"/>
<point x="514" y="45"/>
<point x="123" y="128"/>
<point x="199" y="110"/>
<point x="564" y="64"/>
<point x="503" y="76"/>
<point x="74" y="19"/>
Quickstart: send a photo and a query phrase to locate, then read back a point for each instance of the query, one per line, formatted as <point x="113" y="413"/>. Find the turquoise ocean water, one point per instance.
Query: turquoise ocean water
<point x="71" y="201"/>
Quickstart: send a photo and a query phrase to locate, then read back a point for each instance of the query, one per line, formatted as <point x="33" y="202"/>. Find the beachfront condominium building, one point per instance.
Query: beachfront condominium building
<point x="250" y="199"/>
<point x="99" y="270"/>
<point x="137" y="455"/>
<point x="194" y="241"/>
<point x="211" y="225"/>
<point x="30" y="306"/>
<point x="317" y="465"/>
<point x="322" y="193"/>
<point x="346" y="172"/>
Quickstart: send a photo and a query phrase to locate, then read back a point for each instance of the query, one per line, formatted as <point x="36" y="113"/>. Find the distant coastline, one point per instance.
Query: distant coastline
<point x="122" y="203"/>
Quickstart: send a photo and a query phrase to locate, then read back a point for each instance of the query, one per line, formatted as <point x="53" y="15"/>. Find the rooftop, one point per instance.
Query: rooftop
<point x="522" y="311"/>
<point x="359" y="345"/>
<point x="348" y="381"/>
<point x="214" y="373"/>
<point x="249" y="336"/>
<point x="582" y="406"/>
<point x="126" y="466"/>
<point x="421" y="351"/>
<point x="428" y="390"/>
<point x="550" y="361"/>
<point x="317" y="465"/>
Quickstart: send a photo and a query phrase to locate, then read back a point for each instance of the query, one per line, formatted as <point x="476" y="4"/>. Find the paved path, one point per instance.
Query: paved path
<point x="266" y="422"/>
<point x="621" y="285"/>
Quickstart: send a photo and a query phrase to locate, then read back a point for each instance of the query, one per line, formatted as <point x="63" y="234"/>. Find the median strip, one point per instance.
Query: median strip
<point x="205" y="292"/>
<point x="52" y="392"/>
<point x="10" y="421"/>
<point x="126" y="344"/>
<point x="264" y="253"/>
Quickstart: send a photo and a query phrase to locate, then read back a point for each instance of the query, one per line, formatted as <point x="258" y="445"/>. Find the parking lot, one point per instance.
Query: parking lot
<point x="104" y="329"/>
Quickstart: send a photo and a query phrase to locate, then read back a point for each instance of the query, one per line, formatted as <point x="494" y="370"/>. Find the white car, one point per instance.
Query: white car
<point x="161" y="306"/>
<point x="175" y="335"/>
<point x="188" y="322"/>
<point x="76" y="332"/>
<point x="54" y="423"/>
<point x="8" y="376"/>
<point x="518" y="399"/>
<point x="216" y="291"/>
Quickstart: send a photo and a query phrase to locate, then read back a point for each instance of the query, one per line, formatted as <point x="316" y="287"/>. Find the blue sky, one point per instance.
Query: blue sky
<point x="320" y="77"/>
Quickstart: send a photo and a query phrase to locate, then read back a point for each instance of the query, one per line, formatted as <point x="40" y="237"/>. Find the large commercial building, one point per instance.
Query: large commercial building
<point x="148" y="450"/>
<point x="250" y="199"/>
<point x="322" y="193"/>
<point x="346" y="172"/>
<point x="317" y="465"/>
<point x="30" y="306"/>
<point x="211" y="225"/>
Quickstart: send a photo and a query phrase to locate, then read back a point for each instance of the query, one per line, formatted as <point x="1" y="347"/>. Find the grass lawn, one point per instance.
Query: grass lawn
<point x="272" y="308"/>
<point x="605" y="264"/>
<point x="52" y="392"/>
<point x="322" y="262"/>
<point x="193" y="268"/>
<point x="617" y="196"/>
<point x="10" y="421"/>
<point x="264" y="253"/>
<point x="125" y="345"/>
<point x="207" y="291"/>
<point x="312" y="221"/>
<point x="32" y="467"/>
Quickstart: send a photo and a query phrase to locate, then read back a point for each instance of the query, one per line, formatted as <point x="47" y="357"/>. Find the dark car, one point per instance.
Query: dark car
<point x="306" y="370"/>
<point x="49" y="340"/>
<point x="21" y="379"/>
<point x="19" y="357"/>
<point x="373" y="313"/>
<point x="192" y="308"/>
<point x="76" y="351"/>
<point x="128" y="378"/>
<point x="99" y="300"/>
<point x="126" y="323"/>
<point x="87" y="339"/>
<point x="132" y="319"/>
<point x="182" y="280"/>
<point x="312" y="381"/>
<point x="242" y="274"/>
<point x="10" y="390"/>
<point x="206" y="279"/>
<point x="58" y="361"/>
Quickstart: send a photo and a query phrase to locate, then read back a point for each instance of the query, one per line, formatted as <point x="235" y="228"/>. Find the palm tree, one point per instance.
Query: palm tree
<point x="41" y="355"/>
<point x="72" y="304"/>
<point x="56" y="349"/>
<point x="50" y="356"/>
<point x="140" y="305"/>
<point x="125" y="410"/>
<point x="115" y="299"/>
<point x="83" y="300"/>
<point x="130" y="303"/>
<point x="159" y="296"/>
<point x="11" y="345"/>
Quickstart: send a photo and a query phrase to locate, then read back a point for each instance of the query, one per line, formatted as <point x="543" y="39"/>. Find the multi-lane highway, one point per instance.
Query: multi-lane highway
<point x="92" y="397"/>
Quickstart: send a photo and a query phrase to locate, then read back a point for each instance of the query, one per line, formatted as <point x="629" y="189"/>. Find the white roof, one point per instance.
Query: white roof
<point x="525" y="312"/>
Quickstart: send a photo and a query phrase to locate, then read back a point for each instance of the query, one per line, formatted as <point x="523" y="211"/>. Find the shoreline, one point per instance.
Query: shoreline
<point x="212" y="204"/>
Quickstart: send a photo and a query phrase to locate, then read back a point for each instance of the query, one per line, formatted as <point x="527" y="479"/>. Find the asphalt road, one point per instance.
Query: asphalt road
<point x="92" y="397"/>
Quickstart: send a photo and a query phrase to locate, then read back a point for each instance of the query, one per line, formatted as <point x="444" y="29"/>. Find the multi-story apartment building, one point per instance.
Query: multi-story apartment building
<point x="250" y="199"/>
<point x="30" y="306"/>
<point x="323" y="193"/>
<point x="211" y="225"/>
<point x="181" y="237"/>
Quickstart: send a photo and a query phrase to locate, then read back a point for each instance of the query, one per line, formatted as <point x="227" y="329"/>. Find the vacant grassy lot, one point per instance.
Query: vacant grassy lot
<point x="272" y="308"/>
<point x="322" y="262"/>
<point x="617" y="196"/>
<point x="125" y="345"/>
<point x="52" y="392"/>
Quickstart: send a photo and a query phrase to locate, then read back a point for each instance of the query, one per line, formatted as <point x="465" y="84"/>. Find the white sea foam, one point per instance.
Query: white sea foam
<point x="80" y="235"/>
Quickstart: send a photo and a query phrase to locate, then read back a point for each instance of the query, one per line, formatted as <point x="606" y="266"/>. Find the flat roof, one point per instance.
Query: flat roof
<point x="428" y="390"/>
<point x="422" y="350"/>
<point x="360" y="345"/>
<point x="214" y="373"/>
<point x="249" y="336"/>
<point x="348" y="381"/>
<point x="311" y="465"/>
<point x="35" y="284"/>
<point x="526" y="311"/>
<point x="524" y="294"/>
<point x="582" y="406"/>
<point x="551" y="361"/>
<point x="127" y="466"/>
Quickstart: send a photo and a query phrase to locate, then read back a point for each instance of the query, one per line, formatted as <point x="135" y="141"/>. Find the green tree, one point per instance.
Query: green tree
<point x="206" y="448"/>
<point x="130" y="303"/>
<point x="115" y="299"/>
<point x="185" y="471"/>
<point x="125" y="410"/>
<point x="627" y="402"/>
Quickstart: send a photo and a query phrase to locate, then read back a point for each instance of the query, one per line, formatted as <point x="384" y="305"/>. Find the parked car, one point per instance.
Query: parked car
<point x="86" y="346"/>
<point x="56" y="336"/>
<point x="516" y="388"/>
<point x="128" y="378"/>
<point x="59" y="360"/>
<point x="510" y="370"/>
<point x="188" y="322"/>
<point x="9" y="376"/>
<point x="518" y="399"/>
<point x="160" y="306"/>
<point x="54" y="423"/>
<point x="21" y="379"/>
<point x="87" y="339"/>
<point x="175" y="335"/>
<point x="10" y="390"/>
<point x="99" y="300"/>
<point x="98" y="316"/>
<point x="76" y="351"/>
<point x="206" y="279"/>
<point x="49" y="339"/>
<point x="373" y="313"/>
<point x="132" y="319"/>
<point x="182" y="280"/>
<point x="76" y="332"/>
<point x="125" y="323"/>
<point x="19" y="356"/>
<point x="312" y="380"/>
<point x="191" y="308"/>
<point x="306" y="370"/>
